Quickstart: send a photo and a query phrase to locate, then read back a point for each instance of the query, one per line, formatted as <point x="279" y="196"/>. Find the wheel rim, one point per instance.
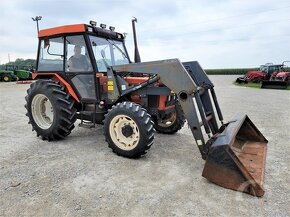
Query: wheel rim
<point x="6" y="78"/>
<point x="168" y="121"/>
<point x="42" y="111"/>
<point x="124" y="142"/>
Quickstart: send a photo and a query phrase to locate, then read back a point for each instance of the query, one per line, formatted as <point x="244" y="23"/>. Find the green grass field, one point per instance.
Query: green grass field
<point x="233" y="71"/>
<point x="253" y="85"/>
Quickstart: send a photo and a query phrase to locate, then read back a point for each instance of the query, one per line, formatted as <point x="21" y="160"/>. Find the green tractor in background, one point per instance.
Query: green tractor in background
<point x="8" y="75"/>
<point x="24" y="72"/>
<point x="14" y="73"/>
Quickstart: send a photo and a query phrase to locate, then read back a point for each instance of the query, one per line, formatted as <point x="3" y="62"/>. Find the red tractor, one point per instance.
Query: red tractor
<point x="84" y="72"/>
<point x="271" y="76"/>
<point x="264" y="73"/>
<point x="278" y="80"/>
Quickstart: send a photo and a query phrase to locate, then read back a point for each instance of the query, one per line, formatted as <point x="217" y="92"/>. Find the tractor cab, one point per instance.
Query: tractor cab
<point x="11" y="68"/>
<point x="80" y="54"/>
<point x="269" y="69"/>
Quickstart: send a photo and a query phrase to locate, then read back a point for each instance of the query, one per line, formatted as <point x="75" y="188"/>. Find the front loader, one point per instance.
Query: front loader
<point x="132" y="99"/>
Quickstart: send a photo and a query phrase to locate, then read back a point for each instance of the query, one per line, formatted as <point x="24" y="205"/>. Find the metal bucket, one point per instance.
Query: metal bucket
<point x="274" y="84"/>
<point x="236" y="159"/>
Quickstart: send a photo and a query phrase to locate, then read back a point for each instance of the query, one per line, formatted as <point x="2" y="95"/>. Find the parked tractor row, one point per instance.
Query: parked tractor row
<point x="269" y="75"/>
<point x="15" y="73"/>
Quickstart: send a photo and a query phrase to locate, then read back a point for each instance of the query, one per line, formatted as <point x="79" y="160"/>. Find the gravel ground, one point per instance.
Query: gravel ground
<point x="80" y="176"/>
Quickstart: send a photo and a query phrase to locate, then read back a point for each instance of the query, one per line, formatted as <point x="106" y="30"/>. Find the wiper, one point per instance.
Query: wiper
<point x="123" y="53"/>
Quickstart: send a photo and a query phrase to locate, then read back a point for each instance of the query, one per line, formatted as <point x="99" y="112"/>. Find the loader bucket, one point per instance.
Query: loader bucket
<point x="236" y="159"/>
<point x="274" y="84"/>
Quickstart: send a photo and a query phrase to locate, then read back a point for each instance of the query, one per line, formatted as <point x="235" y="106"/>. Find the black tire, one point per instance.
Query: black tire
<point x="62" y="104"/>
<point x="143" y="127"/>
<point x="176" y="121"/>
<point x="7" y="78"/>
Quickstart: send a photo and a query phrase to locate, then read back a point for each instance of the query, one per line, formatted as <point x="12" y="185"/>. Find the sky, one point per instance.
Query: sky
<point x="217" y="33"/>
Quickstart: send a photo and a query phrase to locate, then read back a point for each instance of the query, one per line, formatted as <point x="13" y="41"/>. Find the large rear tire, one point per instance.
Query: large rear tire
<point x="7" y="78"/>
<point x="172" y="122"/>
<point x="50" y="110"/>
<point x="128" y="130"/>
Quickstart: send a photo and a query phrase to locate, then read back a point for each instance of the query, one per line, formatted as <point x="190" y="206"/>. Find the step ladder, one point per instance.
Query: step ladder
<point x="85" y="113"/>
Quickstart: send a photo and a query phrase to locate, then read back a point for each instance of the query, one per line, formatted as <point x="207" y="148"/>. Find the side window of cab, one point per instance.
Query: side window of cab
<point x="51" y="54"/>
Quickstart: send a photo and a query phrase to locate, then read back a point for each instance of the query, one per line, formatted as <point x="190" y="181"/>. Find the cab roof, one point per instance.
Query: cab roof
<point x="80" y="28"/>
<point x="75" y="28"/>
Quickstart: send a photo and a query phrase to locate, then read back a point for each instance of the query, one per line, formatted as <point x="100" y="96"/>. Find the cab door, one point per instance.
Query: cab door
<point x="79" y="68"/>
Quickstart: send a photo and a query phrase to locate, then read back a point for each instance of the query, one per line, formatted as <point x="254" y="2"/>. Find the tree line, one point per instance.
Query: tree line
<point x="20" y="63"/>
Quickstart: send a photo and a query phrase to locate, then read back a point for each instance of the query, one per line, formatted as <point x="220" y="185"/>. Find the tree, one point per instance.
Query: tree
<point x="20" y="62"/>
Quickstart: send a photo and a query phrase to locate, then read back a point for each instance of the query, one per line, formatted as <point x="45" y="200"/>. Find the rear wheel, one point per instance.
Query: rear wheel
<point x="172" y="122"/>
<point x="50" y="110"/>
<point x="7" y="78"/>
<point x="129" y="130"/>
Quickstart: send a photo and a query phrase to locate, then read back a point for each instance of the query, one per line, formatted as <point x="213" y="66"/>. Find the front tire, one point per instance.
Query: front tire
<point x="128" y="130"/>
<point x="172" y="122"/>
<point x="50" y="110"/>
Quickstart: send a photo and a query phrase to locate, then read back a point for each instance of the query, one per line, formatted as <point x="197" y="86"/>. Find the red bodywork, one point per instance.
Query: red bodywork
<point x="255" y="76"/>
<point x="76" y="28"/>
<point x="103" y="82"/>
<point x="281" y="76"/>
<point x="56" y="77"/>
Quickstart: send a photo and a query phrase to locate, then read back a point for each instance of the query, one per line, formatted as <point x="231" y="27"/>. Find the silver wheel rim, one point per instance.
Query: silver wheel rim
<point x="169" y="121"/>
<point x="42" y="111"/>
<point x="123" y="142"/>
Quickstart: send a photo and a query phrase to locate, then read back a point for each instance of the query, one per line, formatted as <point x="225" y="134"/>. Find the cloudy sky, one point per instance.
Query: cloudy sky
<point x="217" y="33"/>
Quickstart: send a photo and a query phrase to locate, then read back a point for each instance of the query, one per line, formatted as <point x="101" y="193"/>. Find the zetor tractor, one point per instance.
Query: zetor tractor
<point x="84" y="72"/>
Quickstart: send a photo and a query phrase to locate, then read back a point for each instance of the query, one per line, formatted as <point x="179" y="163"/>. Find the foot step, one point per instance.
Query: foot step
<point x="87" y="124"/>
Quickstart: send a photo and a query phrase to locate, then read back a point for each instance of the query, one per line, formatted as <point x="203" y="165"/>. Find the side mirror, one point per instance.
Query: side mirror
<point x="103" y="54"/>
<point x="46" y="43"/>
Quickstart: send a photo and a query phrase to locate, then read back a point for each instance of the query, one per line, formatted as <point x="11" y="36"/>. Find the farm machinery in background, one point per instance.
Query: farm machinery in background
<point x="15" y="73"/>
<point x="8" y="74"/>
<point x="269" y="75"/>
<point x="279" y="79"/>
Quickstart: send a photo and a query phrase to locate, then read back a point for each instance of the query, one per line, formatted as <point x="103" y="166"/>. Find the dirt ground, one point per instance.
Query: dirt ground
<point x="81" y="176"/>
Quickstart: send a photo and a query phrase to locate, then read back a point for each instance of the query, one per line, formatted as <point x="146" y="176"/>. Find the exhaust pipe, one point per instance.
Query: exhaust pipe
<point x="137" y="58"/>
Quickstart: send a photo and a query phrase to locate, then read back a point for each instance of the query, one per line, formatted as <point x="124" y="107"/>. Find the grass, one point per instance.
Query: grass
<point x="254" y="85"/>
<point x="233" y="71"/>
<point x="250" y="84"/>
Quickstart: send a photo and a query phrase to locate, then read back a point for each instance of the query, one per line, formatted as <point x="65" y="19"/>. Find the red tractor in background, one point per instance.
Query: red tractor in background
<point x="278" y="80"/>
<point x="270" y="75"/>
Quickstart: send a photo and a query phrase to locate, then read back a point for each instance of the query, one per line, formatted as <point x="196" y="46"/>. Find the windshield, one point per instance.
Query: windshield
<point x="108" y="52"/>
<point x="263" y="68"/>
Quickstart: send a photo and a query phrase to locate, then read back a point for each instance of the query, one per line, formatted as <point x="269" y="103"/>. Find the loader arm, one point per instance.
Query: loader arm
<point x="235" y="153"/>
<point x="173" y="74"/>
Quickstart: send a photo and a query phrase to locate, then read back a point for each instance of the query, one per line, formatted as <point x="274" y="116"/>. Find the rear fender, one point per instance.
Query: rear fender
<point x="57" y="77"/>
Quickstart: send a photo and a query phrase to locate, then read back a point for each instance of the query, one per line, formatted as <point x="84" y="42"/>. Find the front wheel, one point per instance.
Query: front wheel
<point x="172" y="122"/>
<point x="50" y="110"/>
<point x="129" y="130"/>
